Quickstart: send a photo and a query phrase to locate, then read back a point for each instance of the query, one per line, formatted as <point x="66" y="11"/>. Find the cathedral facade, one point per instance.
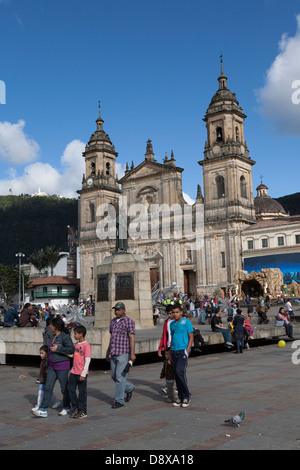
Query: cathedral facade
<point x="199" y="257"/>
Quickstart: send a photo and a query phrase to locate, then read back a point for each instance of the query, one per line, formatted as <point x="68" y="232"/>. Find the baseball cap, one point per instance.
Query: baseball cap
<point x="119" y="305"/>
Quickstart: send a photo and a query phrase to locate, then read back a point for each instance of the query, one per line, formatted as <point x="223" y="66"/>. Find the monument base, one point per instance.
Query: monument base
<point x="124" y="277"/>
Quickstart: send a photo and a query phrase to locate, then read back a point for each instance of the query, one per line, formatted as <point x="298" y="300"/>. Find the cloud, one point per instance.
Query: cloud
<point x="63" y="181"/>
<point x="279" y="97"/>
<point x="15" y="146"/>
<point x="188" y="199"/>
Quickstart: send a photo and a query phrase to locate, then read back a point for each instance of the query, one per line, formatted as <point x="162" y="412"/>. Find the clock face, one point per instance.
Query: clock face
<point x="90" y="181"/>
<point x="242" y="149"/>
<point x="216" y="149"/>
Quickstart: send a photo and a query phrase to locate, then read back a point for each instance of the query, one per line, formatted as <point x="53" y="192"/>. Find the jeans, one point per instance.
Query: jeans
<point x="117" y="366"/>
<point x="203" y="317"/>
<point x="289" y="329"/>
<point x="180" y="362"/>
<point x="53" y="375"/>
<point x="226" y="334"/>
<point x="79" y="402"/>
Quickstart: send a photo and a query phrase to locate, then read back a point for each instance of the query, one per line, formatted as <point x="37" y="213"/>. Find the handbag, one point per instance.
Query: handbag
<point x="280" y="323"/>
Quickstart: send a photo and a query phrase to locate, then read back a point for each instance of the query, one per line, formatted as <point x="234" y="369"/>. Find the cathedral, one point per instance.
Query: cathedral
<point x="232" y="222"/>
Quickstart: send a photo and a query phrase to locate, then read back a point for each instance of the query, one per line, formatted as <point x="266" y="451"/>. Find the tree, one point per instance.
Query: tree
<point x="37" y="258"/>
<point x="9" y="283"/>
<point x="52" y="257"/>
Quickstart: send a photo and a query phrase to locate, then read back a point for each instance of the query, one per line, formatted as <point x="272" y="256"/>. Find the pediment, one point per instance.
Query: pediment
<point x="147" y="170"/>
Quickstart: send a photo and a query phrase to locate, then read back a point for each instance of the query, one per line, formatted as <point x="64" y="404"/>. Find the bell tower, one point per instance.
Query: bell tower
<point x="227" y="166"/>
<point x="100" y="186"/>
<point x="228" y="189"/>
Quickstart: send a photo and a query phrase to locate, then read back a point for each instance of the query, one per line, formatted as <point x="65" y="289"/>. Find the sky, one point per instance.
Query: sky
<point x="154" y="66"/>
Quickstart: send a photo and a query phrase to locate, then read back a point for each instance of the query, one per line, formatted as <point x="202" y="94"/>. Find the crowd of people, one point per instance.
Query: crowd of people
<point x="237" y="327"/>
<point x="68" y="363"/>
<point x="32" y="315"/>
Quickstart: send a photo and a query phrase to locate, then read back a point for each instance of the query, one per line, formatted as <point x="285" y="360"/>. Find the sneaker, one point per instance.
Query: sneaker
<point x="177" y="403"/>
<point x="40" y="414"/>
<point x="80" y="415"/>
<point x="64" y="412"/>
<point x="73" y="412"/>
<point x="164" y="390"/>
<point x="35" y="408"/>
<point x="185" y="403"/>
<point x="56" y="405"/>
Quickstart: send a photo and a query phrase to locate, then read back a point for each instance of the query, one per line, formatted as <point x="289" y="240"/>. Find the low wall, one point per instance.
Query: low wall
<point x="27" y="341"/>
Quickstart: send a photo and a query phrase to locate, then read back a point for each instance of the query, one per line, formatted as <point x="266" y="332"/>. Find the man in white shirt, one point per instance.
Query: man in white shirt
<point x="289" y="307"/>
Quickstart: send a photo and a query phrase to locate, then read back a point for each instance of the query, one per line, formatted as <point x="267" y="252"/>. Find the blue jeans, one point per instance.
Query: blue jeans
<point x="79" y="402"/>
<point x="53" y="375"/>
<point x="179" y="363"/>
<point x="226" y="334"/>
<point x="117" y="366"/>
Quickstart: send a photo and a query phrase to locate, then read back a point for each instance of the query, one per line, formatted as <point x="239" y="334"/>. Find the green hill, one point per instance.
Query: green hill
<point x="30" y="223"/>
<point x="291" y="203"/>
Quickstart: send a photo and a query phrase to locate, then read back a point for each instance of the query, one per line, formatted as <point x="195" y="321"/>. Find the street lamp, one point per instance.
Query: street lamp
<point x="20" y="255"/>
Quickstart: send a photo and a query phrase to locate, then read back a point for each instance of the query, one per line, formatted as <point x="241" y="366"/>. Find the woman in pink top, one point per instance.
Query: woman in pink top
<point x="283" y="315"/>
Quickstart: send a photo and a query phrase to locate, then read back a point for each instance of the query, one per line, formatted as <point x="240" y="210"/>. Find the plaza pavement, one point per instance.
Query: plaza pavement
<point x="263" y="381"/>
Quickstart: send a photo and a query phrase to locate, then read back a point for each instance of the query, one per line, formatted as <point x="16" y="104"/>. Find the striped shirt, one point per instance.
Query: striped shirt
<point x="120" y="329"/>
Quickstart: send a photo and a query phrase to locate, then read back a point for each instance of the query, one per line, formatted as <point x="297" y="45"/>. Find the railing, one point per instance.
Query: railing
<point x="54" y="295"/>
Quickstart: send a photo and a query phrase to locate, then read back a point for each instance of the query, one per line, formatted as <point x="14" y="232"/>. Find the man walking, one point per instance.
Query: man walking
<point x="182" y="333"/>
<point x="121" y="349"/>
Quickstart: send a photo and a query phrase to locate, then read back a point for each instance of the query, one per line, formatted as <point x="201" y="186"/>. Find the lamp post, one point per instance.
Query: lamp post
<point x="20" y="255"/>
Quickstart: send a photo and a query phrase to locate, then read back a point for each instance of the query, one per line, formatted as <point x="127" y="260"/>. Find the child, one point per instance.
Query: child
<point x="248" y="326"/>
<point x="167" y="371"/>
<point x="79" y="373"/>
<point x="42" y="379"/>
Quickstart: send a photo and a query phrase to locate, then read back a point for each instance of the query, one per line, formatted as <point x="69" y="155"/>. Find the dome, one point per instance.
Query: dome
<point x="224" y="95"/>
<point x="100" y="135"/>
<point x="265" y="206"/>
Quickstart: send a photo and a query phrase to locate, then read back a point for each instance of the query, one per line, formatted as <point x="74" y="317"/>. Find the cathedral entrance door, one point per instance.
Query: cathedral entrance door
<point x="189" y="282"/>
<point x="154" y="276"/>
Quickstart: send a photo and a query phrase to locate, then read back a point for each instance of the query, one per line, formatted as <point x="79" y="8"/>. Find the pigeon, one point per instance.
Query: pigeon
<point x="238" y="419"/>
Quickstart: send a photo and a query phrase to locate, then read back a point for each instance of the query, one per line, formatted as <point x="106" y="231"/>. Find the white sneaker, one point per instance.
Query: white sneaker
<point x="56" y="405"/>
<point x="177" y="403"/>
<point x="40" y="413"/>
<point x="64" y="412"/>
<point x="35" y="408"/>
<point x="185" y="403"/>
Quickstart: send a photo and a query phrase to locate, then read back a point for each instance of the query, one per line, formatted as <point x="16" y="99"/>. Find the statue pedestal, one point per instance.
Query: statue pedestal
<point x="124" y="277"/>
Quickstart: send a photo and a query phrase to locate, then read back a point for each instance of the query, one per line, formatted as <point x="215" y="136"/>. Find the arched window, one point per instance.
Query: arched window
<point x="219" y="132"/>
<point x="107" y="169"/>
<point x="237" y="134"/>
<point x="220" y="186"/>
<point x="243" y="186"/>
<point x="93" y="169"/>
<point x="92" y="212"/>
